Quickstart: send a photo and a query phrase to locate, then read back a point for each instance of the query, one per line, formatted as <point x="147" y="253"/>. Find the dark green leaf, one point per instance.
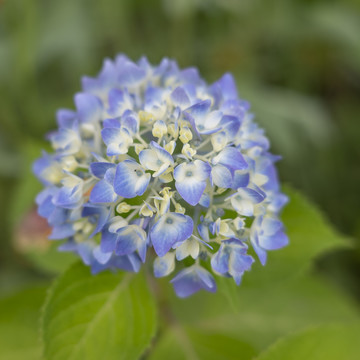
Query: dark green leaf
<point x="19" y="337"/>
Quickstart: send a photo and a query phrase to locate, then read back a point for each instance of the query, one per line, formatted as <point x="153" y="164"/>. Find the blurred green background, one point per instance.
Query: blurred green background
<point x="297" y="62"/>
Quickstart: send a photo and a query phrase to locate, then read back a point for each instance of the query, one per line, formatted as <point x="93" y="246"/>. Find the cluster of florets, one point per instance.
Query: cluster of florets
<point x="156" y="161"/>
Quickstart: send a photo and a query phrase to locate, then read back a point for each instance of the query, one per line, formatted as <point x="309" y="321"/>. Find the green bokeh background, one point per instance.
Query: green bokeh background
<point x="297" y="62"/>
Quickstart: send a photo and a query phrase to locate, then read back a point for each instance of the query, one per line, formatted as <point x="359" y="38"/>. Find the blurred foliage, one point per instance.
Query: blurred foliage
<point x="278" y="310"/>
<point x="296" y="61"/>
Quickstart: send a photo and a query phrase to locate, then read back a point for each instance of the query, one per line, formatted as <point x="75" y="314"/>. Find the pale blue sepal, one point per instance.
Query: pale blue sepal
<point x="130" y="179"/>
<point x="165" y="265"/>
<point x="191" y="280"/>
<point x="89" y="107"/>
<point x="171" y="228"/>
<point x="100" y="256"/>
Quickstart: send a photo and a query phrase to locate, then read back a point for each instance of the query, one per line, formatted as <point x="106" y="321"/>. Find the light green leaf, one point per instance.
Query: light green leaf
<point x="19" y="338"/>
<point x="330" y="342"/>
<point x="180" y="343"/>
<point x="107" y="316"/>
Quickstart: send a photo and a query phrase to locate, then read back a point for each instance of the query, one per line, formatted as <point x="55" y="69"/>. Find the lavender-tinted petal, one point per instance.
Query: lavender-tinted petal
<point x="130" y="179"/>
<point x="170" y="229"/>
<point x="191" y="280"/>
<point x="99" y="169"/>
<point x="101" y="256"/>
<point x="221" y="176"/>
<point x="220" y="261"/>
<point x="62" y="231"/>
<point x="191" y="190"/>
<point x="180" y="98"/>
<point x="103" y="192"/>
<point x="165" y="265"/>
<point x="89" y="108"/>
<point x="274" y="242"/>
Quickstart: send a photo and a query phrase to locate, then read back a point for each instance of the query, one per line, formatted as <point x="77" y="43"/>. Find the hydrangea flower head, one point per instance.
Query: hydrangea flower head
<point x="154" y="162"/>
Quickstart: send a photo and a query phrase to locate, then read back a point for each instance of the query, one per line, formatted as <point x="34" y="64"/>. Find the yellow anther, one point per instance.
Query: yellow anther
<point x="220" y="190"/>
<point x="159" y="129"/>
<point x="138" y="148"/>
<point x="188" y="151"/>
<point x="69" y="163"/>
<point x="123" y="207"/>
<point x="179" y="209"/>
<point x="185" y="135"/>
<point x="166" y="191"/>
<point x="166" y="177"/>
<point x="145" y="117"/>
<point x="146" y="210"/>
<point x="173" y="131"/>
<point x="170" y="147"/>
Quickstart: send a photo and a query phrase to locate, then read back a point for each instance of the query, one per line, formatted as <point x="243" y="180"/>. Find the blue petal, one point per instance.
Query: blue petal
<point x="239" y="262"/>
<point x="254" y="196"/>
<point x="67" y="197"/>
<point x="103" y="192"/>
<point x="62" y="231"/>
<point x="89" y="108"/>
<point x="85" y="251"/>
<point x="221" y="176"/>
<point x="200" y="109"/>
<point x="131" y="74"/>
<point x="127" y="262"/>
<point x="230" y="125"/>
<point x="260" y="252"/>
<point x="111" y="135"/>
<point x="220" y="261"/>
<point x="108" y="241"/>
<point x="273" y="242"/>
<point x="180" y="98"/>
<point x="130" y="121"/>
<point x="228" y="87"/>
<point x="130" y="179"/>
<point x="99" y="169"/>
<point x="65" y="118"/>
<point x="100" y="256"/>
<point x="129" y="238"/>
<point x="191" y="280"/>
<point x="163" y="266"/>
<point x="97" y="214"/>
<point x="240" y="179"/>
<point x="112" y="123"/>
<point x="231" y="158"/>
<point x="171" y="228"/>
<point x="205" y="200"/>
<point x="203" y="230"/>
<point x="117" y="102"/>
<point x="191" y="190"/>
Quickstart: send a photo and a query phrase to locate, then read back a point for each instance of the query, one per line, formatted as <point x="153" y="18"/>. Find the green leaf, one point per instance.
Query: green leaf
<point x="19" y="338"/>
<point x="281" y="297"/>
<point x="260" y="315"/>
<point x="330" y="342"/>
<point x="107" y="316"/>
<point x="310" y="235"/>
<point x="189" y="344"/>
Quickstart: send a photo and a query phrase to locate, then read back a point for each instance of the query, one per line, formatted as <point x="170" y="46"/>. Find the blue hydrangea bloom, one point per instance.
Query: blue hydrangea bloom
<point x="154" y="163"/>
